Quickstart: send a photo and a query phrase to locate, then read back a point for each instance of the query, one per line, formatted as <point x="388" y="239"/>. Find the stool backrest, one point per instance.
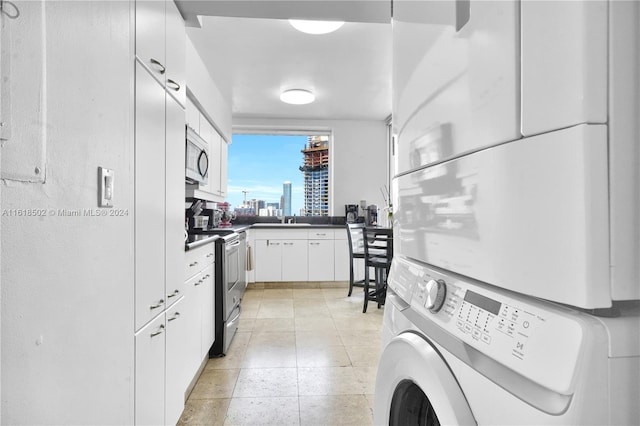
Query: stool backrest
<point x="355" y="237"/>
<point x="378" y="244"/>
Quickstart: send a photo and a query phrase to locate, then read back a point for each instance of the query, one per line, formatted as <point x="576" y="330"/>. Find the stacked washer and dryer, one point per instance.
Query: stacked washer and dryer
<point x="514" y="296"/>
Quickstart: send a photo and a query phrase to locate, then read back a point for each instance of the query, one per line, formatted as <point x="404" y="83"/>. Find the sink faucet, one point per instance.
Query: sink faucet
<point x="290" y="220"/>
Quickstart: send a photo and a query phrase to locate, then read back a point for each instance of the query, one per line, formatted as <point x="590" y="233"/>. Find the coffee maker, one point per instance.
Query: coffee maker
<point x="351" y="213"/>
<point x="371" y="218"/>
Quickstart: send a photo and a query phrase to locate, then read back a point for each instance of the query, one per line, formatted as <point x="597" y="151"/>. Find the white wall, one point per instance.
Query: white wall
<point x="358" y="156"/>
<point x="67" y="282"/>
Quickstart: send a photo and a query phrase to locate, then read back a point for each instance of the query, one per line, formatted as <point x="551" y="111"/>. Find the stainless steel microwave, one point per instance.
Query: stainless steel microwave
<point x="197" y="158"/>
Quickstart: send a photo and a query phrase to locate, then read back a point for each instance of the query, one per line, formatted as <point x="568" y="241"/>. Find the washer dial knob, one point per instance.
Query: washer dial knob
<point x="436" y="293"/>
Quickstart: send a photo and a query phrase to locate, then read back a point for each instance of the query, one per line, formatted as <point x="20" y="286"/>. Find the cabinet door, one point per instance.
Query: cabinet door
<point x="215" y="173"/>
<point x="224" y="150"/>
<point x="268" y="260"/>
<point x="193" y="116"/>
<point x="294" y="261"/>
<point x="174" y="201"/>
<point x="341" y="260"/>
<point x="149" y="373"/>
<point x="176" y="54"/>
<point x="192" y="316"/>
<point x="207" y="302"/>
<point x="150" y="36"/>
<point x="321" y="260"/>
<point x="149" y="197"/>
<point x="176" y="381"/>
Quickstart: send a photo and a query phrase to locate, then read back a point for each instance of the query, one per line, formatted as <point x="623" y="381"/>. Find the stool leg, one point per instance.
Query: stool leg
<point x="366" y="288"/>
<point x="351" y="278"/>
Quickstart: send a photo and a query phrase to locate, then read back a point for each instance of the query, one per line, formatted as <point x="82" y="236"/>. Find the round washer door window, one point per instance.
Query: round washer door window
<point x="415" y="386"/>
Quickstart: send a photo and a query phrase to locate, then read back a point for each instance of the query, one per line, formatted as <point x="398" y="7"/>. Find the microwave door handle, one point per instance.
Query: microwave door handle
<point x="203" y="169"/>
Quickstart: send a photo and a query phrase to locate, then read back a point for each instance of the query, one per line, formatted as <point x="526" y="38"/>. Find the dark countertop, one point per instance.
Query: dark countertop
<point x="197" y="240"/>
<point x="210" y="235"/>
<point x="294" y="226"/>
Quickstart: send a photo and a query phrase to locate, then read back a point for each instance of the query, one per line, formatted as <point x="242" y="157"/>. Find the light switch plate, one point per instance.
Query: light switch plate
<point x="105" y="187"/>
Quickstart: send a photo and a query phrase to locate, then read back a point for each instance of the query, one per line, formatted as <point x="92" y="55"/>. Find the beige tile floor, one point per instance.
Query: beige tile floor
<point x="300" y="357"/>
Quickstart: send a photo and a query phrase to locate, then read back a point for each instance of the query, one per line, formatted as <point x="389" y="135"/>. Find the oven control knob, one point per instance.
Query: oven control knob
<point x="436" y="293"/>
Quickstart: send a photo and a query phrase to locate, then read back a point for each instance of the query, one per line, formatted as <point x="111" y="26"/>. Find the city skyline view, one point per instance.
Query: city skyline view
<point x="260" y="164"/>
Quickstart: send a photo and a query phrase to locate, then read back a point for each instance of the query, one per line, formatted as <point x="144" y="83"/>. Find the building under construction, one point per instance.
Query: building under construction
<point x="316" y="176"/>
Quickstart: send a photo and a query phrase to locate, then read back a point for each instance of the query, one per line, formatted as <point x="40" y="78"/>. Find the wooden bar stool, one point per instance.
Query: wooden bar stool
<point x="378" y="254"/>
<point x="356" y="251"/>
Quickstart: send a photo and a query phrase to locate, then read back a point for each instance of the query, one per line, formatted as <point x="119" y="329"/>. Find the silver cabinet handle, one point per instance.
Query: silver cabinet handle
<point x="209" y="254"/>
<point x="159" y="304"/>
<point x="198" y="282"/>
<point x="174" y="317"/>
<point x="160" y="330"/>
<point x="206" y="276"/>
<point x="193" y="264"/>
<point x="173" y="85"/>
<point x="159" y="66"/>
<point x="174" y="294"/>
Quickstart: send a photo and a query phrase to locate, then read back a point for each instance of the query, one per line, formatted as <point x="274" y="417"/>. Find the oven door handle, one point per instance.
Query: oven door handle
<point x="235" y="317"/>
<point x="232" y="245"/>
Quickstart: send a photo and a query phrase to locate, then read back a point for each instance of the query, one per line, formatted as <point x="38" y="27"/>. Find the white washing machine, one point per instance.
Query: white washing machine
<point x="456" y="351"/>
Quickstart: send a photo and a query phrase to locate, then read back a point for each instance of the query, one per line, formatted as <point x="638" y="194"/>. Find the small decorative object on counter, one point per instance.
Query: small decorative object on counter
<point x="227" y="216"/>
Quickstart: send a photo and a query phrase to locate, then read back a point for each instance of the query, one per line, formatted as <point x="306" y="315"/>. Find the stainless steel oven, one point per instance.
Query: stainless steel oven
<point x="230" y="286"/>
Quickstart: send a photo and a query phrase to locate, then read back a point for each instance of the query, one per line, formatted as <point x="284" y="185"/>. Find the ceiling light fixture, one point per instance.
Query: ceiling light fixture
<point x="315" y="27"/>
<point x="297" y="97"/>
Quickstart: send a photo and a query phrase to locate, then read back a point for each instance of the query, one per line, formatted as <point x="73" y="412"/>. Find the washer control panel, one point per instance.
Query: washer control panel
<point x="539" y="340"/>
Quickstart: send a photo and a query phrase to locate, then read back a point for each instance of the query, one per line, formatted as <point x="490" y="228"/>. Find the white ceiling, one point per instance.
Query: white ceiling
<point x="253" y="59"/>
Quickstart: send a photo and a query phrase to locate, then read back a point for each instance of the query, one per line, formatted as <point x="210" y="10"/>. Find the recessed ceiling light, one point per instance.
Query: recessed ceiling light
<point x="297" y="96"/>
<point x="315" y="27"/>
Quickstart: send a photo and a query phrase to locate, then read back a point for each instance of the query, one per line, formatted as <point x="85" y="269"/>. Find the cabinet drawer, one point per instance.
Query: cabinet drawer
<point x="320" y="234"/>
<point x="198" y="259"/>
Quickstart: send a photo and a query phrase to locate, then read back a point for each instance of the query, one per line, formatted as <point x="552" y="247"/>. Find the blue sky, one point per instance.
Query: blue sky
<point x="260" y="164"/>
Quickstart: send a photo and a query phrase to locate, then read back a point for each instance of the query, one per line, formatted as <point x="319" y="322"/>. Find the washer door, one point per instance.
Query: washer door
<point x="415" y="386"/>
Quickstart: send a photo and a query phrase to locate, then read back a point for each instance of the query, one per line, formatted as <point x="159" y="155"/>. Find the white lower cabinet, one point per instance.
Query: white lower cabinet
<point x="321" y="260"/>
<point x="193" y="319"/>
<point x="177" y="332"/>
<point x="150" y="373"/>
<point x="200" y="306"/>
<point x="281" y="260"/>
<point x="318" y="254"/>
<point x="268" y="260"/>
<point x="294" y="260"/>
<point x="341" y="256"/>
<point x="206" y="297"/>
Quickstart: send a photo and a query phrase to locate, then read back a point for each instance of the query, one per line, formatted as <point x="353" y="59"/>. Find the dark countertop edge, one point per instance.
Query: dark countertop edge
<point x="199" y="243"/>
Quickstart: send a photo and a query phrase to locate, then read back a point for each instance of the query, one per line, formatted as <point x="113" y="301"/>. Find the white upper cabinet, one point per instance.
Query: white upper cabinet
<point x="150" y="43"/>
<point x="160" y="44"/>
<point x="193" y="115"/>
<point x="176" y="54"/>
<point x="224" y="158"/>
<point x="456" y="78"/>
<point x="564" y="67"/>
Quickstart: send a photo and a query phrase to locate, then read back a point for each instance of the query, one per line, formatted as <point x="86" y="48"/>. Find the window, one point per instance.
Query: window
<point x="279" y="174"/>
